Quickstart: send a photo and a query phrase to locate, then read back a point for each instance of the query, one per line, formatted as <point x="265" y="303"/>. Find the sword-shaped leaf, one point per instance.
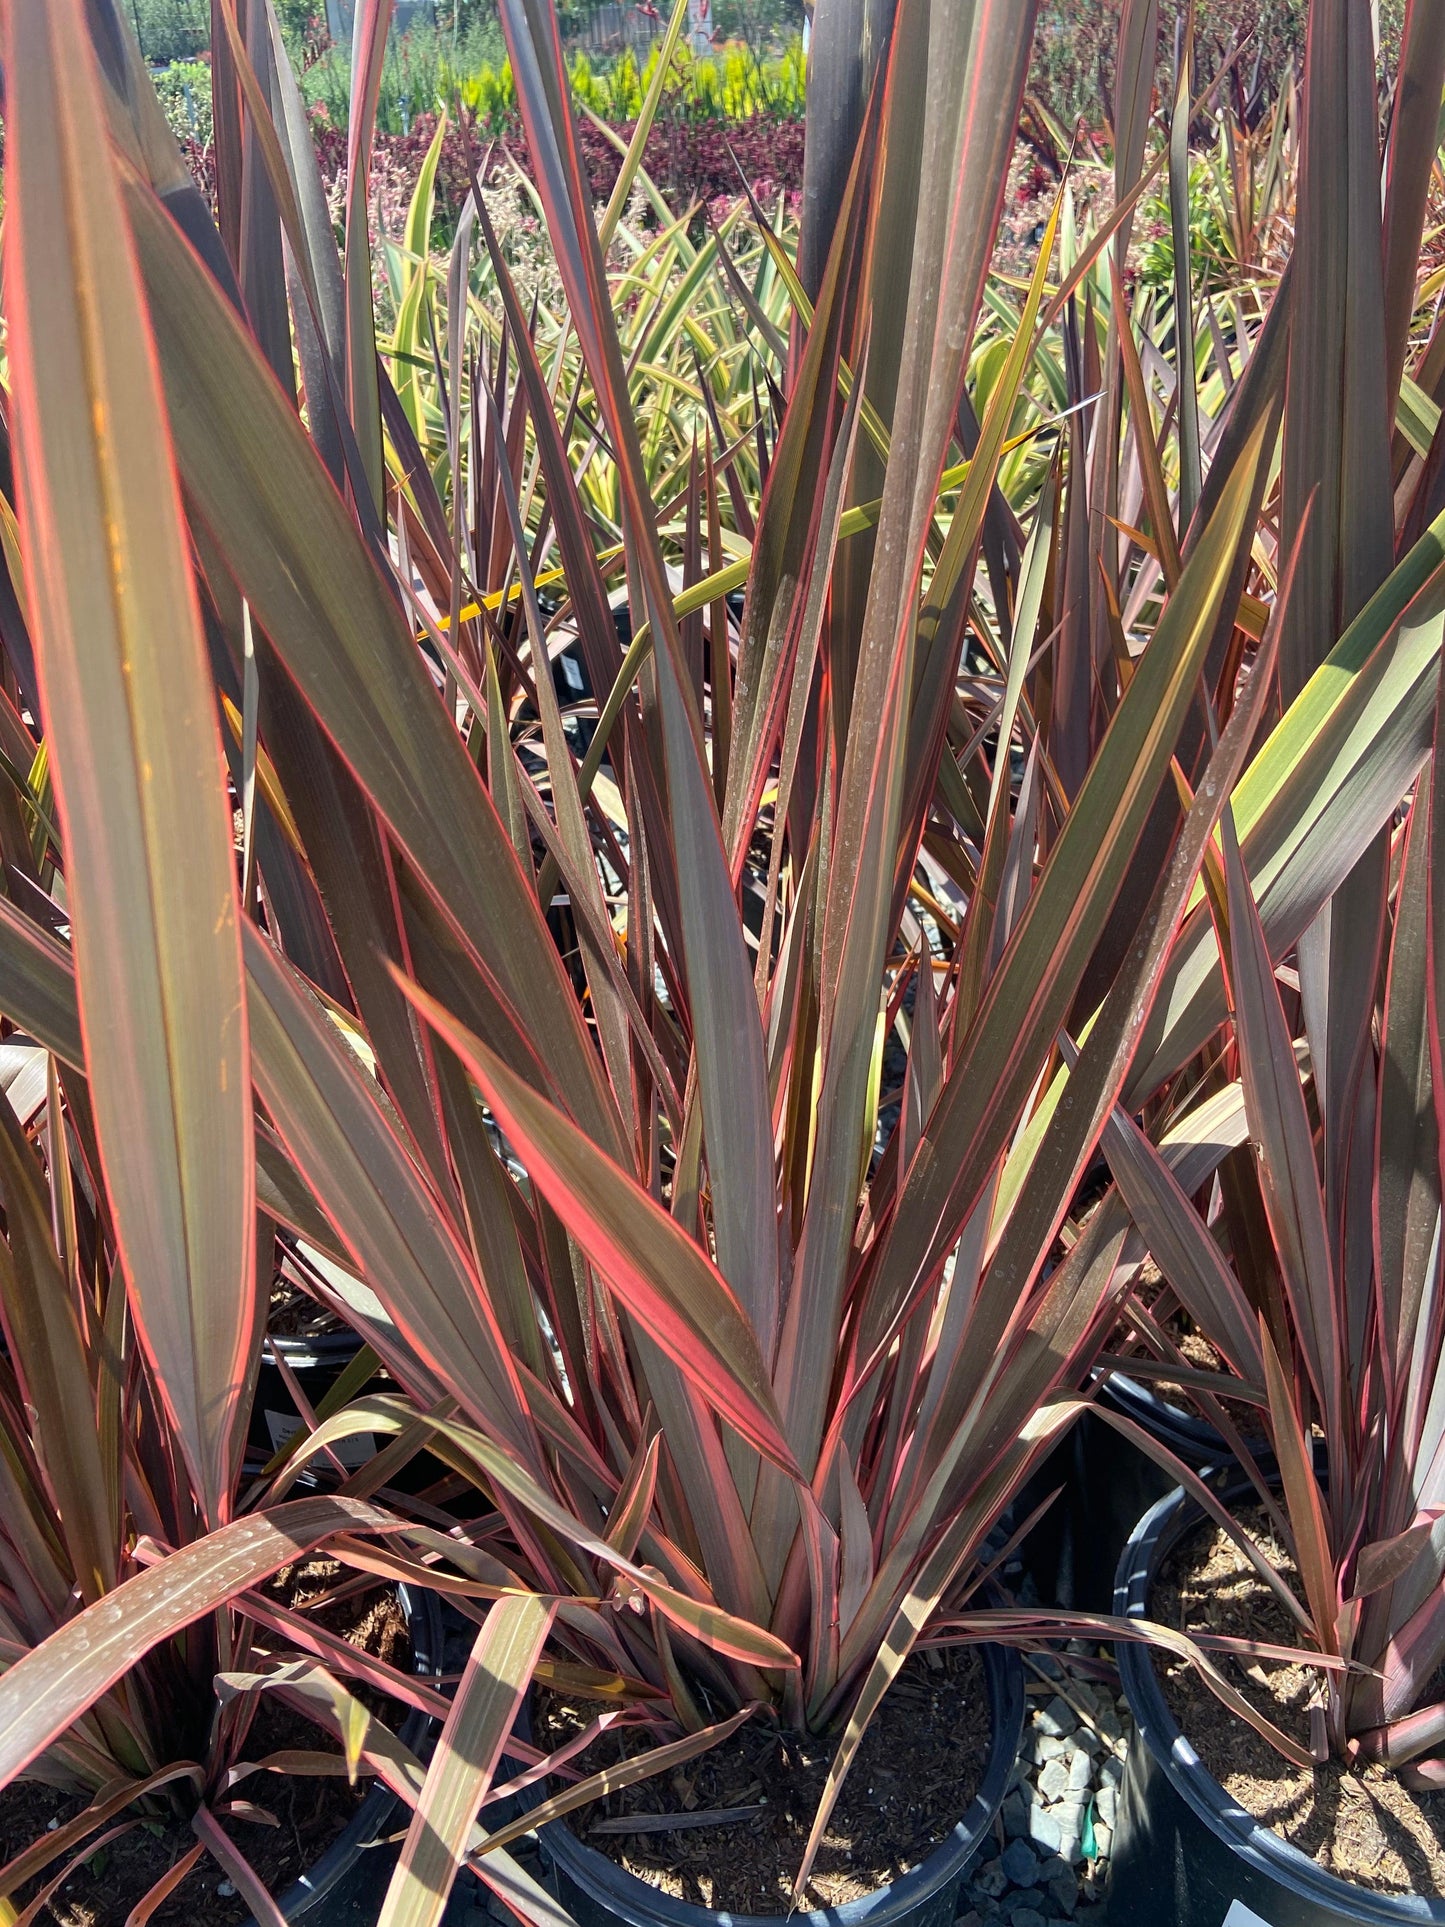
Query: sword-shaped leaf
<point x="392" y="1224"/>
<point x="53" y="1684"/>
<point x="493" y="1685"/>
<point x="726" y="1030"/>
<point x="255" y="480"/>
<point x="1279" y="1128"/>
<point x="135" y="751"/>
<point x="1029" y="995"/>
<point x="663" y="1277"/>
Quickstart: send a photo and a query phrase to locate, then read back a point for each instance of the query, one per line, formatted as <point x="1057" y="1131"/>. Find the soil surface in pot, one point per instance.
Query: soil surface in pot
<point x="1362" y="1825"/>
<point x="918" y="1768"/>
<point x="310" y="1811"/>
<point x="294" y="1313"/>
<point x="1195" y="1350"/>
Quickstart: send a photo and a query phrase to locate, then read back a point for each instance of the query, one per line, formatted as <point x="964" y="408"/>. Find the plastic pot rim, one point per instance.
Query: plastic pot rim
<point x="1261" y="1848"/>
<point x="1177" y="1427"/>
<point x="636" y="1904"/>
<point x="307" y="1896"/>
<point x="329" y="1350"/>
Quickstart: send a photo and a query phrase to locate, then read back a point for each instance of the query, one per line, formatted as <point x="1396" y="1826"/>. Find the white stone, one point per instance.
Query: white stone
<point x="1055" y="1779"/>
<point x="1044" y="1830"/>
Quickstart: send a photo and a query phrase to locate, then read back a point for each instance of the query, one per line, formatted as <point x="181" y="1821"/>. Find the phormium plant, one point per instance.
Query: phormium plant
<point x="556" y="1044"/>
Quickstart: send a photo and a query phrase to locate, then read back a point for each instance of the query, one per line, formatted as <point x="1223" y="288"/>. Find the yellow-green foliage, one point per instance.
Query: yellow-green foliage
<point x="184" y="91"/>
<point x="423" y="75"/>
<point x="489" y="92"/>
<point x="728" y="85"/>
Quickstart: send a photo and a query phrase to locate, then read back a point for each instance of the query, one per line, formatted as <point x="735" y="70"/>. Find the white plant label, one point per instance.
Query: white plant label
<point x="1241" y="1916"/>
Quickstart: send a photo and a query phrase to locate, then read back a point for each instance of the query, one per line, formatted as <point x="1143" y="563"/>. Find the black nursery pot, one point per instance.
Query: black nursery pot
<point x="316" y="1363"/>
<point x="1184" y="1852"/>
<point x="599" y="1893"/>
<point x="1072" y="1552"/>
<point x="347" y="1883"/>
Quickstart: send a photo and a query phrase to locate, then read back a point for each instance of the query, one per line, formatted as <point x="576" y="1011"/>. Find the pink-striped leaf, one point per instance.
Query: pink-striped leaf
<point x="134" y="746"/>
<point x="1280" y="1130"/>
<point x="659" y="1273"/>
<point x="53" y="1684"/>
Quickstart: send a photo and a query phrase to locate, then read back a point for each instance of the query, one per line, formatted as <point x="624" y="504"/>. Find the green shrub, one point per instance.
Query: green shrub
<point x="423" y="75"/>
<point x="184" y="90"/>
<point x="425" y="70"/>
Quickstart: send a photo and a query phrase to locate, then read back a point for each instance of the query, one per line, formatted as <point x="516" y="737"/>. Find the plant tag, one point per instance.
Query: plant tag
<point x="1241" y="1916"/>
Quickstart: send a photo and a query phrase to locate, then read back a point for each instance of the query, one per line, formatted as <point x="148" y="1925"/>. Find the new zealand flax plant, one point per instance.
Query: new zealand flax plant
<point x="1314" y="1267"/>
<point x="563" y="1072"/>
<point x="131" y="1299"/>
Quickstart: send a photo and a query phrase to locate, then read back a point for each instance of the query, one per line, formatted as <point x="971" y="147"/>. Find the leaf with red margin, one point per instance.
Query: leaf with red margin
<point x="666" y="1280"/>
<point x="134" y="747"/>
<point x="47" y="1689"/>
